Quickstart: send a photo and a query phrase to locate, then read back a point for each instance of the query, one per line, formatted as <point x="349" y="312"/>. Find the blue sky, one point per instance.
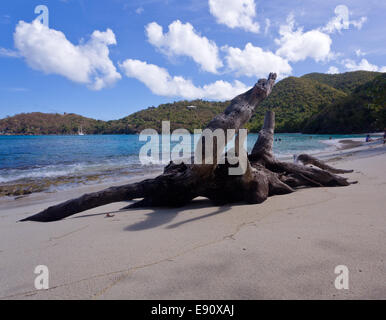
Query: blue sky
<point x="107" y="59"/>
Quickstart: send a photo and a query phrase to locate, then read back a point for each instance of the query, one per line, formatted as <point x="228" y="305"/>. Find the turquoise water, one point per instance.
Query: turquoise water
<point x="108" y="156"/>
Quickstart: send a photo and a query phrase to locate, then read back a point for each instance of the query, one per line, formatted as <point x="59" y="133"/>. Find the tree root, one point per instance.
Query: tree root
<point x="180" y="183"/>
<point x="307" y="159"/>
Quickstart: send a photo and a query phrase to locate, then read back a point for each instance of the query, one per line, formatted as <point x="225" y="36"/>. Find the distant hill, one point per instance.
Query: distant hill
<point x="294" y="100"/>
<point x="362" y="111"/>
<point x="300" y="104"/>
<point x="346" y="82"/>
<point x="182" y="114"/>
<point x="38" y="123"/>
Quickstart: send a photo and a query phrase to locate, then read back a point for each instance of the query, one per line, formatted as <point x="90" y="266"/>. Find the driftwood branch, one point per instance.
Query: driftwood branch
<point x="307" y="159"/>
<point x="180" y="183"/>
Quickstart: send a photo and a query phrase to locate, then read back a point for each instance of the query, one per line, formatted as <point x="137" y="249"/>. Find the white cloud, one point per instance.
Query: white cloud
<point x="255" y="62"/>
<point x="183" y="40"/>
<point x="358" y="23"/>
<point x="139" y="10"/>
<point x="48" y="50"/>
<point x="351" y="65"/>
<point x="359" y="53"/>
<point x="235" y="13"/>
<point x="9" y="53"/>
<point x="160" y="82"/>
<point x="342" y="21"/>
<point x="296" y="45"/>
<point x="267" y="26"/>
<point x="332" y="70"/>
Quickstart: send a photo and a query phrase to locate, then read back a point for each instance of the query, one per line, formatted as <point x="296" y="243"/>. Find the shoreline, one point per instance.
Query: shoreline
<point x="27" y="186"/>
<point x="136" y="133"/>
<point x="285" y="248"/>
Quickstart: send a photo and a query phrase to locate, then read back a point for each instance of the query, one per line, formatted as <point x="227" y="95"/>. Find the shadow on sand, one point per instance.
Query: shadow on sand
<point x="160" y="215"/>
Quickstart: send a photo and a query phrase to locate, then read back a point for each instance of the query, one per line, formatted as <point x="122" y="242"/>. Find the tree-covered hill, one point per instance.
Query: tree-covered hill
<point x="189" y="115"/>
<point x="362" y="111"/>
<point x="38" y="123"/>
<point x="294" y="100"/>
<point x="312" y="103"/>
<point x="346" y="82"/>
<point x="183" y="114"/>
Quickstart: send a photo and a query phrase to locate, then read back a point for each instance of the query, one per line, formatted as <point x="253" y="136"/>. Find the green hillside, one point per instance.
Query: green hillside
<point x="312" y="103"/>
<point x="38" y="123"/>
<point x="362" y="111"/>
<point x="345" y="82"/>
<point x="182" y="114"/>
<point x="294" y="100"/>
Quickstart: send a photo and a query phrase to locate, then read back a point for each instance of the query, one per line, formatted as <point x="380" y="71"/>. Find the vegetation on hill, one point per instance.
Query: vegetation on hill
<point x="313" y="103"/>
<point x="38" y="123"/>
<point x="183" y="114"/>
<point x="294" y="100"/>
<point x="189" y="115"/>
<point x="346" y="82"/>
<point x="362" y="111"/>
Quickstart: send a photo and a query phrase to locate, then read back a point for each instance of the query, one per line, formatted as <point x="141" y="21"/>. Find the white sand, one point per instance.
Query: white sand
<point x="285" y="248"/>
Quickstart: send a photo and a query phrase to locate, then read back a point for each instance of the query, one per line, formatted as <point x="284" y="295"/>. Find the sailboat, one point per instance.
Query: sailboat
<point x="80" y="131"/>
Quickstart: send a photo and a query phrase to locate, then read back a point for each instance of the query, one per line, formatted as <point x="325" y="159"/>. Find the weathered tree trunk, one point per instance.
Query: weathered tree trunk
<point x="180" y="183"/>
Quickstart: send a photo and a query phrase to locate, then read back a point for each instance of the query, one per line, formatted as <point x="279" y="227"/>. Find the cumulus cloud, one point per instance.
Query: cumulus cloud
<point x="48" y="50"/>
<point x="235" y="13"/>
<point x="332" y="70"/>
<point x="255" y="62"/>
<point x="160" y="82"/>
<point x="342" y="20"/>
<point x="183" y="40"/>
<point x="351" y="65"/>
<point x="9" y="53"/>
<point x="296" y="45"/>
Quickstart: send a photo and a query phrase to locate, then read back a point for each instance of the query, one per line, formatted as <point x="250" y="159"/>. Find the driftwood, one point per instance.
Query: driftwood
<point x="307" y="159"/>
<point x="180" y="183"/>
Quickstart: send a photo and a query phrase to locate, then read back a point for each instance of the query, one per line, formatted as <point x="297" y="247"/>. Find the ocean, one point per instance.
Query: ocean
<point x="49" y="163"/>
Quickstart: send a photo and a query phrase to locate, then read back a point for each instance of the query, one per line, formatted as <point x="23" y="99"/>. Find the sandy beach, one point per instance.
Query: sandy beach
<point x="284" y="248"/>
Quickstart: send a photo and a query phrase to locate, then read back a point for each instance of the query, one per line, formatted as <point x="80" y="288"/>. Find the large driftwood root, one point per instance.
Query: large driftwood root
<point x="307" y="159"/>
<point x="180" y="183"/>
